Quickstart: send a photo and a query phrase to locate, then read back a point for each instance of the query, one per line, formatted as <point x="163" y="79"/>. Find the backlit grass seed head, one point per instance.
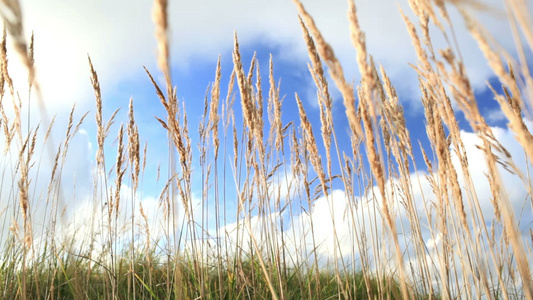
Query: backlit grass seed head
<point x="133" y="147"/>
<point x="312" y="148"/>
<point x="11" y="13"/>
<point x="335" y="69"/>
<point x="244" y="88"/>
<point x="120" y="171"/>
<point x="100" y="136"/>
<point x="213" y="110"/>
<point x="160" y="19"/>
<point x="274" y="107"/>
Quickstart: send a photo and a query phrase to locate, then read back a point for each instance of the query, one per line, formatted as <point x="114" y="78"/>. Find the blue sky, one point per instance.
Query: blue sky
<point x="119" y="37"/>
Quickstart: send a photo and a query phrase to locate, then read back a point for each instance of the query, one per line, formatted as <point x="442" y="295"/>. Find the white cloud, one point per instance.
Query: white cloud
<point x="113" y="33"/>
<point x="119" y="37"/>
<point x="356" y="219"/>
<point x="495" y="115"/>
<point x="512" y="184"/>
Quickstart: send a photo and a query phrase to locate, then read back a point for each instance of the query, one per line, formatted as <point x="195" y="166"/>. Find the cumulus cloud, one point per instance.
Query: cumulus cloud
<point x="343" y="227"/>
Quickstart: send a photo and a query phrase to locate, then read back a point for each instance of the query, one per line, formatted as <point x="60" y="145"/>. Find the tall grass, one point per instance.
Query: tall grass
<point x="398" y="230"/>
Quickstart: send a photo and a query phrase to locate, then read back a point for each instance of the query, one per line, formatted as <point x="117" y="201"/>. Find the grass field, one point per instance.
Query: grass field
<point x="395" y="229"/>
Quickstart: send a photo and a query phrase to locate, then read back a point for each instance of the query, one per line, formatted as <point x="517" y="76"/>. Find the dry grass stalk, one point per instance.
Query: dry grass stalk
<point x="326" y="131"/>
<point x="369" y="116"/>
<point x="120" y="171"/>
<point x="376" y="167"/>
<point x="258" y="109"/>
<point x="213" y="111"/>
<point x="359" y="42"/>
<point x="160" y="19"/>
<point x="250" y="75"/>
<point x="71" y="131"/>
<point x="23" y="184"/>
<point x="316" y="161"/>
<point x="367" y="109"/>
<point x="178" y="133"/>
<point x="519" y="9"/>
<point x="134" y="151"/>
<point x="146" y="227"/>
<point x="447" y="172"/>
<point x="99" y="119"/>
<point x="227" y="107"/>
<point x="425" y="7"/>
<point x="434" y="86"/>
<point x="523" y="135"/>
<point x="248" y="107"/>
<point x="324" y="99"/>
<point x="512" y="232"/>
<point x="296" y="161"/>
<point x="185" y="153"/>
<point x="437" y="91"/>
<point x="335" y="70"/>
<point x="400" y="146"/>
<point x="425" y="69"/>
<point x="12" y="15"/>
<point x="274" y="107"/>
<point x="144" y="157"/>
<point x="50" y="126"/>
<point x="463" y="94"/>
<point x="395" y="114"/>
<point x="8" y="132"/>
<point x="31" y="59"/>
<point x="147" y="248"/>
<point x="235" y="144"/>
<point x="4" y="63"/>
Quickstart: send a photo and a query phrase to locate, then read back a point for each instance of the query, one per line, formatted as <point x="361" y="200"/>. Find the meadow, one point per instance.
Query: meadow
<point x="394" y="229"/>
